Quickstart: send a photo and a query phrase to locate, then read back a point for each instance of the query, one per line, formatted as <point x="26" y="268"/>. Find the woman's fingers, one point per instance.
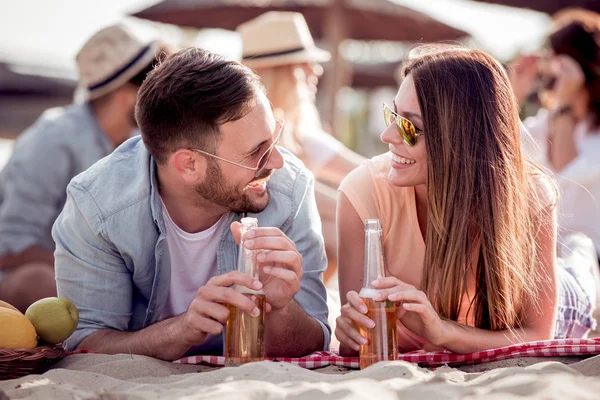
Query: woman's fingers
<point x="347" y="333"/>
<point x="356" y="302"/>
<point x="409" y="296"/>
<point x="354" y="315"/>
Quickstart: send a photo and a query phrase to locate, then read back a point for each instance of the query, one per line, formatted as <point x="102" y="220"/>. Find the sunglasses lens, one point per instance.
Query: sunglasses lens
<point x="407" y="131"/>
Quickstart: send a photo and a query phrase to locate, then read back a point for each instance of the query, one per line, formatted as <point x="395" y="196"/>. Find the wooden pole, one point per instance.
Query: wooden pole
<point x="335" y="31"/>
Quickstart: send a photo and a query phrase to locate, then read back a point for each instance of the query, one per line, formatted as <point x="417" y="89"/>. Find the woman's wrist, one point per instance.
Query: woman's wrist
<point x="447" y="334"/>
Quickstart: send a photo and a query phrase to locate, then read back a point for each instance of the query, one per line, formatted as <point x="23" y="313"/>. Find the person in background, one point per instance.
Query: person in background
<point x="280" y="48"/>
<point x="62" y="143"/>
<point x="146" y="243"/>
<point x="566" y="130"/>
<point x="468" y="223"/>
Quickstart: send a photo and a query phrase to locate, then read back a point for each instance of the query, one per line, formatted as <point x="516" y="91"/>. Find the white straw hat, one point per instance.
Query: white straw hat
<point x="278" y="38"/>
<point x="111" y="57"/>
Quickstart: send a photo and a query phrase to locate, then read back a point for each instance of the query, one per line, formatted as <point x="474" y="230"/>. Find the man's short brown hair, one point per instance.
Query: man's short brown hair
<point x="185" y="99"/>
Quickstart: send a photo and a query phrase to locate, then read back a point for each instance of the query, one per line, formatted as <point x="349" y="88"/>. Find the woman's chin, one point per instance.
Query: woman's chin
<point x="400" y="179"/>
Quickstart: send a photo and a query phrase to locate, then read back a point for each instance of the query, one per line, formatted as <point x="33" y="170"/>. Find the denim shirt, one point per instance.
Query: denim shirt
<point x="62" y="143"/>
<point x="112" y="256"/>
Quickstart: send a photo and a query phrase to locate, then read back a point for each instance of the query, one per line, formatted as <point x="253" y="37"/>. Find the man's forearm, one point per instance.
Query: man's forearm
<point x="29" y="255"/>
<point x="291" y="332"/>
<point x="161" y="340"/>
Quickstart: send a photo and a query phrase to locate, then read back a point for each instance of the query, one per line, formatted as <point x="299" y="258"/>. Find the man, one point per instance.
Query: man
<point x="146" y="243"/>
<point x="62" y="143"/>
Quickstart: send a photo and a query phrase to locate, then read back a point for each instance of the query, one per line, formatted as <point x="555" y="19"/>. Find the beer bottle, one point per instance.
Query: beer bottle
<point x="245" y="334"/>
<point x="381" y="340"/>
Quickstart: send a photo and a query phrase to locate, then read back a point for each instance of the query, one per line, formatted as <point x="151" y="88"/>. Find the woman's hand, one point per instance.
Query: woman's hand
<point x="413" y="309"/>
<point x="570" y="79"/>
<point x="352" y="313"/>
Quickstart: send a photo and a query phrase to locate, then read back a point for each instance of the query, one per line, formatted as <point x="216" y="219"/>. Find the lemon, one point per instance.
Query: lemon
<point x="4" y="304"/>
<point x="17" y="332"/>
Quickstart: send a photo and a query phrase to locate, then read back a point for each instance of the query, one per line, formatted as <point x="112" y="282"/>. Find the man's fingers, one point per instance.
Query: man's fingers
<point x="266" y="232"/>
<point x="213" y="294"/>
<point x="235" y="278"/>
<point x="269" y="243"/>
<point x="236" y="231"/>
<point x="283" y="274"/>
<point x="212" y="310"/>
<point x="289" y="258"/>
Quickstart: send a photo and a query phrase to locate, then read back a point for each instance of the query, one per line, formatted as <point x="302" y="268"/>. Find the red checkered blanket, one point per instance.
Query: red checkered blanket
<point x="547" y="348"/>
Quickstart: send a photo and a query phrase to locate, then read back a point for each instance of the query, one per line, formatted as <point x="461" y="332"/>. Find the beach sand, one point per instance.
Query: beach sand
<point x="120" y="377"/>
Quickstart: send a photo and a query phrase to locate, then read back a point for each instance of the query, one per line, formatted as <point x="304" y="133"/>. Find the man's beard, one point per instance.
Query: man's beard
<point x="217" y="190"/>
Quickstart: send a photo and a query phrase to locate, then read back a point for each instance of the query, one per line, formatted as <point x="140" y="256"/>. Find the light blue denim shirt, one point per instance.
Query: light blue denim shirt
<point x="112" y="256"/>
<point x="62" y="143"/>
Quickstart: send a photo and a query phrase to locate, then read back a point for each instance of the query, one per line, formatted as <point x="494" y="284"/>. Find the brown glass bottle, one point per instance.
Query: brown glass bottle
<point x="245" y="334"/>
<point x="381" y="340"/>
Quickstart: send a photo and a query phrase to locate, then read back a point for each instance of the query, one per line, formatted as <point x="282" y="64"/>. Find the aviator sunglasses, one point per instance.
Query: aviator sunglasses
<point x="406" y="129"/>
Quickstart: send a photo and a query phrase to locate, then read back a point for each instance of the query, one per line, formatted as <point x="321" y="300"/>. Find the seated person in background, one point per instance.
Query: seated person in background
<point x="62" y="143"/>
<point x="566" y="130"/>
<point x="469" y="226"/>
<point x="145" y="244"/>
<point x="280" y="48"/>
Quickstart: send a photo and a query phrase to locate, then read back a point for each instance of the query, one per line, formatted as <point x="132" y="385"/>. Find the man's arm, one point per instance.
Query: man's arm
<point x="34" y="180"/>
<point x="292" y="333"/>
<point x="302" y="327"/>
<point x="172" y="338"/>
<point x="161" y="340"/>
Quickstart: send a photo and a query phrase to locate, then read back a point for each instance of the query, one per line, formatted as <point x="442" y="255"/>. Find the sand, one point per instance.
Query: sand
<point x="119" y="377"/>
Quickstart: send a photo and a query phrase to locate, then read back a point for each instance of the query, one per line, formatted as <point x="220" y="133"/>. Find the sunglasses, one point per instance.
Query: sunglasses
<point x="406" y="129"/>
<point x="262" y="161"/>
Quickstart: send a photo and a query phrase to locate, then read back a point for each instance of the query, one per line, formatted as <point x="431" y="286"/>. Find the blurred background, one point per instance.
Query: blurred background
<point x="368" y="40"/>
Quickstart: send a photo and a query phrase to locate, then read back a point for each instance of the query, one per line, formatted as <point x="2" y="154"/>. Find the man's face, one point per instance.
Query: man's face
<point x="244" y="142"/>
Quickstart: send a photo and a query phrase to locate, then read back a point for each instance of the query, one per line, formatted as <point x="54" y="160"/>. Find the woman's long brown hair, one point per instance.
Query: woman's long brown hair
<point x="481" y="218"/>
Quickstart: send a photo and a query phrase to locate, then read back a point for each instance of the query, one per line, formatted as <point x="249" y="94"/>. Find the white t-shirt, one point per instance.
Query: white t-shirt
<point x="193" y="263"/>
<point x="578" y="182"/>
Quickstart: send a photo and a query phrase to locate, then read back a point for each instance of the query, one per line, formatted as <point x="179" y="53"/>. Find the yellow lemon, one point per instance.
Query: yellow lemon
<point x="4" y="304"/>
<point x="17" y="332"/>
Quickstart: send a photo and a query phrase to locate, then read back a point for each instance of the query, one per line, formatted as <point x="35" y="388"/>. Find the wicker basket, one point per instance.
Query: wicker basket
<point x="15" y="363"/>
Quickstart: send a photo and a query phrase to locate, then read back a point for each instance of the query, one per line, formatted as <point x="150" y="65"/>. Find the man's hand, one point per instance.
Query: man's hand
<point x="208" y="312"/>
<point x="280" y="262"/>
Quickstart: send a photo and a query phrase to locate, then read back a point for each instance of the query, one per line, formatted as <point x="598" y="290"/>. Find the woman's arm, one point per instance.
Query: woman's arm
<point x="338" y="167"/>
<point x="420" y="317"/>
<point x="351" y="254"/>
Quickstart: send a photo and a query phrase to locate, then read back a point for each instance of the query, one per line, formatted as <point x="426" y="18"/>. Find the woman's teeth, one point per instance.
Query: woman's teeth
<point x="402" y="160"/>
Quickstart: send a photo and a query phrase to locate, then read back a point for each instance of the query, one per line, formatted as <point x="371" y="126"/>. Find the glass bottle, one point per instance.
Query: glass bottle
<point x="245" y="334"/>
<point x="381" y="340"/>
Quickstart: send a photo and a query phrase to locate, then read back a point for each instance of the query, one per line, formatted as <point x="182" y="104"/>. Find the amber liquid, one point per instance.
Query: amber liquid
<point x="381" y="340"/>
<point x="245" y="334"/>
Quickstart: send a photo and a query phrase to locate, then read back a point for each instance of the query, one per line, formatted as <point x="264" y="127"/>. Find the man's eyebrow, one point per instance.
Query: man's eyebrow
<point x="406" y="114"/>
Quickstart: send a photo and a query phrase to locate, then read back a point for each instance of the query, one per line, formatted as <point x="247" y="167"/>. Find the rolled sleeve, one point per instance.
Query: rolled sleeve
<point x="89" y="270"/>
<point x="305" y="231"/>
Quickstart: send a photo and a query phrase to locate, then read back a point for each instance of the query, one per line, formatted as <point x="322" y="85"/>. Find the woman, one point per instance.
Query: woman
<point x="565" y="130"/>
<point x="469" y="227"/>
<point x="280" y="48"/>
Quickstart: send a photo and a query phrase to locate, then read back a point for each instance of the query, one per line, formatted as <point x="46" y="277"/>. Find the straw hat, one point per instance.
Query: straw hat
<point x="110" y="58"/>
<point x="278" y="38"/>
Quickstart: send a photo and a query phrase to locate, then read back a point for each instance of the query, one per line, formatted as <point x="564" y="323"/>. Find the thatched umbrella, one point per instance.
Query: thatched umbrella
<point x="548" y="6"/>
<point x="330" y="20"/>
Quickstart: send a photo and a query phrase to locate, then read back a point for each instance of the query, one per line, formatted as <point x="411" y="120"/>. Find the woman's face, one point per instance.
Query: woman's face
<point x="409" y="164"/>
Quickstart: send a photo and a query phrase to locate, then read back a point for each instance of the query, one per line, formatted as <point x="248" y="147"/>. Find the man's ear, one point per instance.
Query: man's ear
<point x="189" y="165"/>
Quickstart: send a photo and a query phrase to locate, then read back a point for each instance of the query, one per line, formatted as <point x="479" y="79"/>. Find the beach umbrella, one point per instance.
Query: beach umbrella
<point x="329" y="20"/>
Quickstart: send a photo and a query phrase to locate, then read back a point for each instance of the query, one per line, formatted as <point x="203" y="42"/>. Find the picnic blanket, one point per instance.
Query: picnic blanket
<point x="546" y="348"/>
